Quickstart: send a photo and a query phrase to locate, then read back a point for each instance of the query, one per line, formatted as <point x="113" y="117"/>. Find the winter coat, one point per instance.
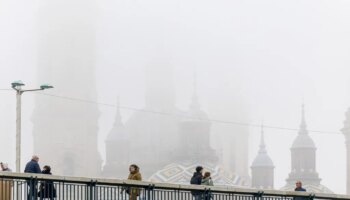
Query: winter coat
<point x="134" y="192"/>
<point x="47" y="188"/>
<point x="32" y="167"/>
<point x="207" y="181"/>
<point x="300" y="190"/>
<point x="196" y="179"/>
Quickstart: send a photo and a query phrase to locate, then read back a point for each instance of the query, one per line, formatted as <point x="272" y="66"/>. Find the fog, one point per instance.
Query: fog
<point x="252" y="61"/>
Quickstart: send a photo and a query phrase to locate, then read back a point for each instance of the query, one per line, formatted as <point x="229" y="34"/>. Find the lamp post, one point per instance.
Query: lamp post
<point x="17" y="86"/>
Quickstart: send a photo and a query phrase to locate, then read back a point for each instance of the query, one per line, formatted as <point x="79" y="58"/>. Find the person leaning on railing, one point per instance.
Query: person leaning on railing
<point x="134" y="175"/>
<point x="5" y="185"/>
<point x="197" y="180"/>
<point x="299" y="188"/>
<point x="32" y="167"/>
<point x="47" y="189"/>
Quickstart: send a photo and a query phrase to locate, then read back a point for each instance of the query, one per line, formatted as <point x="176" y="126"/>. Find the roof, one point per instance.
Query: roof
<point x="181" y="173"/>
<point x="303" y="141"/>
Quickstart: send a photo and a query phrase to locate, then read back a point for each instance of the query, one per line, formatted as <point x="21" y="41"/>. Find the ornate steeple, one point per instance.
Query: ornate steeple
<point x="303" y="157"/>
<point x="196" y="127"/>
<point x="262" y="167"/>
<point x="118" y="131"/>
<point x="303" y="139"/>
<point x="117" y="148"/>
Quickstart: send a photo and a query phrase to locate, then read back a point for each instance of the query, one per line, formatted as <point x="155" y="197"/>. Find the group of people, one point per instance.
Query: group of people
<point x="47" y="190"/>
<point x="199" y="179"/>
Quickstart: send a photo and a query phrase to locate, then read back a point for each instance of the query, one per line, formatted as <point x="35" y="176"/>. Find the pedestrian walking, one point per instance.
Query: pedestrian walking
<point x="135" y="175"/>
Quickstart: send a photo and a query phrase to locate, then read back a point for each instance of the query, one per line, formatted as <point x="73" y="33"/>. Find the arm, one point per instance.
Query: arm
<point x="138" y="177"/>
<point x="37" y="168"/>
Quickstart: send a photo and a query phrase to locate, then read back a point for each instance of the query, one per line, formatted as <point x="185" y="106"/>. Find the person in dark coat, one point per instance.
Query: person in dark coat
<point x="299" y="188"/>
<point x="197" y="180"/>
<point x="32" y="167"/>
<point x="47" y="189"/>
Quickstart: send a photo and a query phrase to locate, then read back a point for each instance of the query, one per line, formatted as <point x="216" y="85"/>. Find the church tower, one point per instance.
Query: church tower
<point x="303" y="154"/>
<point x="262" y="167"/>
<point x="194" y="132"/>
<point x="117" y="150"/>
<point x="65" y="130"/>
<point x="155" y="131"/>
<point x="346" y="132"/>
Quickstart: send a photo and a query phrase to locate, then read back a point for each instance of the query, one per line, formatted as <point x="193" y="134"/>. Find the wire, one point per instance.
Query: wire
<point x="185" y="116"/>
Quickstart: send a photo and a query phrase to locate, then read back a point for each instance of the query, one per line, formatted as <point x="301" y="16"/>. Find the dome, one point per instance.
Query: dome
<point x="303" y="141"/>
<point x="118" y="132"/>
<point x="181" y="174"/>
<point x="262" y="160"/>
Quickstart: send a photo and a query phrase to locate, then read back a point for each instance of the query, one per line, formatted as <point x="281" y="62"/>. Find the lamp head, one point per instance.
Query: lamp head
<point x="17" y="84"/>
<point x="45" y="86"/>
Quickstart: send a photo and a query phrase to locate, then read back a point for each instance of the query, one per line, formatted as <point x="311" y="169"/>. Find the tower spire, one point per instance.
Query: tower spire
<point x="262" y="166"/>
<point x="195" y="103"/>
<point x="303" y="126"/>
<point x="118" y="116"/>
<point x="262" y="149"/>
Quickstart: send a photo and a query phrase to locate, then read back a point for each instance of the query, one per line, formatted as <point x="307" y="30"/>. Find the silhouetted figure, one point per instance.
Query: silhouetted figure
<point x="197" y="180"/>
<point x="47" y="189"/>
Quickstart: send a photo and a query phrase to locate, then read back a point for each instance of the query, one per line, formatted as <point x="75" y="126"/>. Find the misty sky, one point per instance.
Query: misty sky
<point x="264" y="57"/>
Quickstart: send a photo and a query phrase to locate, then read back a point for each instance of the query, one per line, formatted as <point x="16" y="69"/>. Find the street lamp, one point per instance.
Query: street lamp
<point x="17" y="86"/>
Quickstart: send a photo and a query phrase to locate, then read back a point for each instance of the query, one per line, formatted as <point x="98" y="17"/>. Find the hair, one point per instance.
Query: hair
<point x="137" y="168"/>
<point x="207" y="174"/>
<point x="48" y="168"/>
<point x="35" y="157"/>
<point x="4" y="165"/>
<point x="199" y="169"/>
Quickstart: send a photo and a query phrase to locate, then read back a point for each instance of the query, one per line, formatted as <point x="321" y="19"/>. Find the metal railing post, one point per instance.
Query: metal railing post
<point x="149" y="189"/>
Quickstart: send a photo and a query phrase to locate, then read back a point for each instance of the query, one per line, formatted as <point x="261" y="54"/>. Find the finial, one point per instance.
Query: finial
<point x="118" y="117"/>
<point x="262" y="140"/>
<point x="303" y="121"/>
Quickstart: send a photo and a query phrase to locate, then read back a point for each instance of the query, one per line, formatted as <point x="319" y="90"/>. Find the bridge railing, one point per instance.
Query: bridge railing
<point x="15" y="186"/>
